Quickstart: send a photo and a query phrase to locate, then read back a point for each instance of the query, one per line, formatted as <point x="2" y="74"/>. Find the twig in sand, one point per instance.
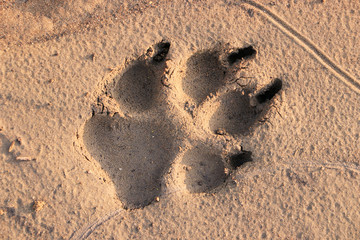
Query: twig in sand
<point x="25" y="158"/>
<point x="12" y="145"/>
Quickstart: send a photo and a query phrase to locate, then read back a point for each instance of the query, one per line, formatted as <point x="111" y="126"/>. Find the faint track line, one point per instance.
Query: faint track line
<point x="308" y="45"/>
<point x="87" y="230"/>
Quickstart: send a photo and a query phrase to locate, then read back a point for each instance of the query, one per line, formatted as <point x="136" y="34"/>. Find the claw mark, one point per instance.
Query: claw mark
<point x="242" y="53"/>
<point x="162" y="52"/>
<point x="308" y="45"/>
<point x="239" y="159"/>
<point x="269" y="92"/>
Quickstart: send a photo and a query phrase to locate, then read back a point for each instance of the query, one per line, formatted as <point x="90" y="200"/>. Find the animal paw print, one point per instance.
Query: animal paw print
<point x="152" y="118"/>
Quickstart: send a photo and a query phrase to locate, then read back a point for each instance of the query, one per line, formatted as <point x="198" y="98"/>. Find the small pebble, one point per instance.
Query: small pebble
<point x="220" y="132"/>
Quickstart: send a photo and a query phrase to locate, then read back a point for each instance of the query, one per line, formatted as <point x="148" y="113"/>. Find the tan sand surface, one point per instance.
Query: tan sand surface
<point x="179" y="119"/>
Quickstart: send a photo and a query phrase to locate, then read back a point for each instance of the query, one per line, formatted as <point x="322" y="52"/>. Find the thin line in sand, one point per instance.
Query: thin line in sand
<point x="308" y="45"/>
<point x="90" y="228"/>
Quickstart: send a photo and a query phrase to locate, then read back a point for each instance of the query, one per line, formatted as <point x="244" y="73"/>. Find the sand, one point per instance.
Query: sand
<point x="179" y="119"/>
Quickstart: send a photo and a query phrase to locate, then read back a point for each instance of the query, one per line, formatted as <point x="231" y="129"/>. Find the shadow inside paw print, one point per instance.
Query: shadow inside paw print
<point x="134" y="153"/>
<point x="204" y="169"/>
<point x="205" y="74"/>
<point x="235" y="114"/>
<point x="137" y="149"/>
<point x="139" y="87"/>
<point x="238" y="114"/>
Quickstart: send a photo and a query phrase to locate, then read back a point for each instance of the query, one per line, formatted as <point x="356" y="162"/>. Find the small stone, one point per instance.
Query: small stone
<point x="220" y="131"/>
<point x="149" y="52"/>
<point x="187" y="168"/>
<point x="157" y="199"/>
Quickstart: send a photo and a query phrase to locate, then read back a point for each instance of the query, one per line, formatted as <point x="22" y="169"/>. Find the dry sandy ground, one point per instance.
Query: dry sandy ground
<point x="179" y="119"/>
